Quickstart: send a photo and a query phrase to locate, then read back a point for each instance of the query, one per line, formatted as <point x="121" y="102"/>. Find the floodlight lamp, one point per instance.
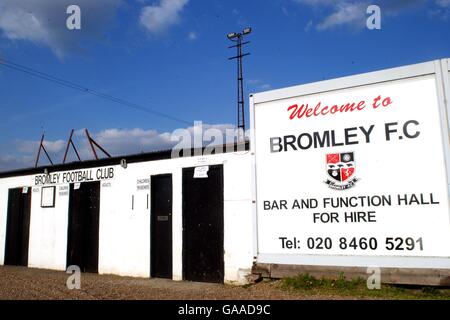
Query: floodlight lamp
<point x="232" y="35"/>
<point x="247" y="30"/>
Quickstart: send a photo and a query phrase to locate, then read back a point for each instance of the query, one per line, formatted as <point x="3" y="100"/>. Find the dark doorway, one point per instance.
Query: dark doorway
<point x="161" y="226"/>
<point x="203" y="226"/>
<point x="18" y="227"/>
<point x="82" y="238"/>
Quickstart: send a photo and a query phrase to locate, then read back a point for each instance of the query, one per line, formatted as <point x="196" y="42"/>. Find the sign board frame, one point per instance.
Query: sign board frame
<point x="440" y="70"/>
<point x="48" y="191"/>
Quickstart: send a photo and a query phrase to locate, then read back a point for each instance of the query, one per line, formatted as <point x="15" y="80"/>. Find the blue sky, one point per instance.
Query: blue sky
<point x="171" y="56"/>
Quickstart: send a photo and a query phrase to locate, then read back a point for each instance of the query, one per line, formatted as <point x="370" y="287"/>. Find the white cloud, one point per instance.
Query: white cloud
<point x="116" y="141"/>
<point x="441" y="12"/>
<point x="254" y="81"/>
<point x="25" y="152"/>
<point x="43" y="22"/>
<point x="443" y="3"/>
<point x="128" y="141"/>
<point x="10" y="162"/>
<point x="333" y="14"/>
<point x="345" y="14"/>
<point x="259" y="84"/>
<point x="18" y="24"/>
<point x="308" y="25"/>
<point x="27" y="146"/>
<point x="158" y="18"/>
<point x="192" y="36"/>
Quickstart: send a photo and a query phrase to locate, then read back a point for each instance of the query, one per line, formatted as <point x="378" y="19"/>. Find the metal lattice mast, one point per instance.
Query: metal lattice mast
<point x="238" y="37"/>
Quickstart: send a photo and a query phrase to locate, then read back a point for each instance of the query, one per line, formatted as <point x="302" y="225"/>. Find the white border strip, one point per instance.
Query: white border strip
<point x="253" y="177"/>
<point x="356" y="261"/>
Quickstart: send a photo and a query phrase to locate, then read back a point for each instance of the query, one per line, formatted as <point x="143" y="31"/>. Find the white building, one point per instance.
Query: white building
<point x="99" y="215"/>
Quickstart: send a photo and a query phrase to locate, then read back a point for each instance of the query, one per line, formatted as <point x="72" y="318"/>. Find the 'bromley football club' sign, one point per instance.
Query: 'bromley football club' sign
<point x="341" y="168"/>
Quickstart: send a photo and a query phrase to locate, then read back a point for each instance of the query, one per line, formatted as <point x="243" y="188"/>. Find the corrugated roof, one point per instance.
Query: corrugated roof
<point x="141" y="157"/>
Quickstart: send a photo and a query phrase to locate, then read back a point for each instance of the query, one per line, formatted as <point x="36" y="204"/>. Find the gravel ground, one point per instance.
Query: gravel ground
<point x="28" y="283"/>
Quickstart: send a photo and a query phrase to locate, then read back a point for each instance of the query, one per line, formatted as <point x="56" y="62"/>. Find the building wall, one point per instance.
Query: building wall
<point x="124" y="235"/>
<point x="48" y="233"/>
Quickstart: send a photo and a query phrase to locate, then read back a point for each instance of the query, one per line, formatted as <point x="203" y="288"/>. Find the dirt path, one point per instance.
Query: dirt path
<point x="27" y="283"/>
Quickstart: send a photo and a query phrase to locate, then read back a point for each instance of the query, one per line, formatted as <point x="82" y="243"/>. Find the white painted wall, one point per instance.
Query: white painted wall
<point x="48" y="226"/>
<point x="48" y="233"/>
<point x="124" y="235"/>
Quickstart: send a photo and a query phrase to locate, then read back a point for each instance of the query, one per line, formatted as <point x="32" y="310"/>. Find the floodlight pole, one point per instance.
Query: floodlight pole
<point x="240" y="81"/>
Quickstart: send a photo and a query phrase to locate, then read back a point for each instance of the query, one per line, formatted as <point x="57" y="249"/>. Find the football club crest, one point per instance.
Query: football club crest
<point x="341" y="170"/>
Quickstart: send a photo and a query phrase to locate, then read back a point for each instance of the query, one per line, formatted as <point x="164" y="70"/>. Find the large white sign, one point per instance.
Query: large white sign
<point x="359" y="171"/>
